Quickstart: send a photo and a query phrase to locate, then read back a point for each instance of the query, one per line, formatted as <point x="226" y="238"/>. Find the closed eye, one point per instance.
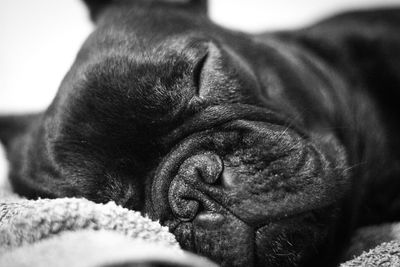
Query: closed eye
<point x="197" y="72"/>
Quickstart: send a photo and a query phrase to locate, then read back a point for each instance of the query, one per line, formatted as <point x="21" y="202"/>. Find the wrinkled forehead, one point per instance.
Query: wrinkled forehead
<point x="284" y="75"/>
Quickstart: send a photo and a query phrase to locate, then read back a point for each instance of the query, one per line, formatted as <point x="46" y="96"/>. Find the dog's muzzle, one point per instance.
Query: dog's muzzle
<point x="247" y="193"/>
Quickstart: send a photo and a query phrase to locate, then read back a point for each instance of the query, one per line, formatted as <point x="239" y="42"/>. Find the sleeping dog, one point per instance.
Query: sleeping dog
<point x="255" y="150"/>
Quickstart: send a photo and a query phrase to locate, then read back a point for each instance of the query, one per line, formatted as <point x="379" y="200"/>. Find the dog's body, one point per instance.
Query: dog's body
<point x="253" y="149"/>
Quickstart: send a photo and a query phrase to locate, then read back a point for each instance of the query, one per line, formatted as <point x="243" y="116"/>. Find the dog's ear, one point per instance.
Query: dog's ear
<point x="13" y="126"/>
<point x="199" y="6"/>
<point x="96" y="6"/>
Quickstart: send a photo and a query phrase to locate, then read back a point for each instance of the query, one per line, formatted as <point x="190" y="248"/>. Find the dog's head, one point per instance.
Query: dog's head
<point x="223" y="137"/>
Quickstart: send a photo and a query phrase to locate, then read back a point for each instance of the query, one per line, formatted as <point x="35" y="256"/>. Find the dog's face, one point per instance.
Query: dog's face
<point x="210" y="132"/>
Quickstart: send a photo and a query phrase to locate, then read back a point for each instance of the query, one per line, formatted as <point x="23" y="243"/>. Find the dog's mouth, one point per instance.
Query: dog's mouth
<point x="248" y="192"/>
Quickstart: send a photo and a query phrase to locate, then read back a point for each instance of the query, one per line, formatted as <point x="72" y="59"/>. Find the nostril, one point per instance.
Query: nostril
<point x="208" y="166"/>
<point x="182" y="204"/>
<point x="185" y="201"/>
<point x="186" y="209"/>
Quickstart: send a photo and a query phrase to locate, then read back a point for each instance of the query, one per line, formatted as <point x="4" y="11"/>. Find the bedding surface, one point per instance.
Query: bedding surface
<point x="79" y="232"/>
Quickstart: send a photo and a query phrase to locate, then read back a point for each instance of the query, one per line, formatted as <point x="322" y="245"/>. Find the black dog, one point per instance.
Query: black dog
<point x="255" y="150"/>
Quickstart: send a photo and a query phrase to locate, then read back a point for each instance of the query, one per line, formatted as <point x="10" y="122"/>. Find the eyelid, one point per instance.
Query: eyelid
<point x="198" y="71"/>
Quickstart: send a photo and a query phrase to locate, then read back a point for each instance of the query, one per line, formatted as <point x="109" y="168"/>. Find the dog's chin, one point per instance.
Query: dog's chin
<point x="250" y="193"/>
<point x="231" y="242"/>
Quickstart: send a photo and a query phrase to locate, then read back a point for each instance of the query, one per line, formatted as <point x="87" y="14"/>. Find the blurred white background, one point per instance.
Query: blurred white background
<point x="39" y="38"/>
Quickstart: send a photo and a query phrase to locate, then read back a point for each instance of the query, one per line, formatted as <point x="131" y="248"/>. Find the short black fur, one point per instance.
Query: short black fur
<point x="255" y="150"/>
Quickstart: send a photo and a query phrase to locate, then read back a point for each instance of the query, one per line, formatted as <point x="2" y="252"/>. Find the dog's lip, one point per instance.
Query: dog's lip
<point x="215" y="217"/>
<point x="211" y="220"/>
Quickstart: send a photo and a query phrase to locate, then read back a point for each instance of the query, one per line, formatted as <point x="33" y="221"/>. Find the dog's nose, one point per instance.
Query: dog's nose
<point x="208" y="166"/>
<point x="186" y="202"/>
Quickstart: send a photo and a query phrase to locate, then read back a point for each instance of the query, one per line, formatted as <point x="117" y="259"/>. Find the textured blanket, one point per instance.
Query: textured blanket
<point x="375" y="246"/>
<point x="78" y="232"/>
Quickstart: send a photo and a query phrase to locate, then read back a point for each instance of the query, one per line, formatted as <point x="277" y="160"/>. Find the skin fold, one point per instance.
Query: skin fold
<point x="255" y="150"/>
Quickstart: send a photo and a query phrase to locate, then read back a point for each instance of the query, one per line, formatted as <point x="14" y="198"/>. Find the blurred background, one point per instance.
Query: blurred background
<point x="39" y="39"/>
